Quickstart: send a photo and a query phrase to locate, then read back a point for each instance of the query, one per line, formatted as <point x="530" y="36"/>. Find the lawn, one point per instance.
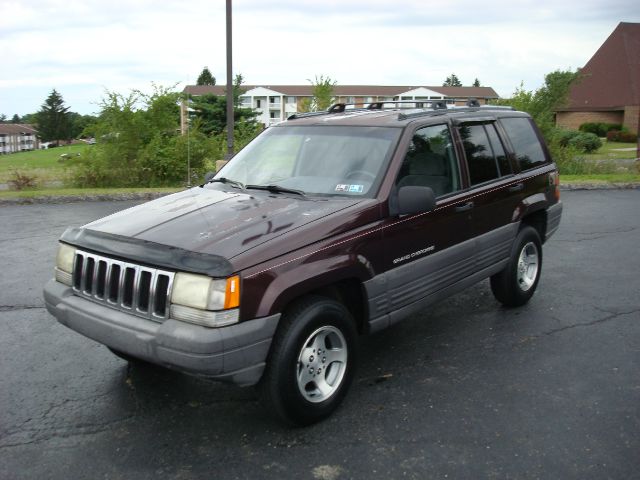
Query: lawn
<point x="614" y="151"/>
<point x="45" y="165"/>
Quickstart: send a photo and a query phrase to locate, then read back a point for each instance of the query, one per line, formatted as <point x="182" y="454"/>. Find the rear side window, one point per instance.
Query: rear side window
<point x="486" y="158"/>
<point x="525" y="142"/>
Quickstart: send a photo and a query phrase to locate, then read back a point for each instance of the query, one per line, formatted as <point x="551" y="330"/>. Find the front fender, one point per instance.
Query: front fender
<point x="272" y="290"/>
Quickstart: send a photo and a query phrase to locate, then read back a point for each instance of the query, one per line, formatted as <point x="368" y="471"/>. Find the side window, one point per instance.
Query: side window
<point x="525" y="142"/>
<point x="498" y="150"/>
<point x="430" y="161"/>
<point x="480" y="160"/>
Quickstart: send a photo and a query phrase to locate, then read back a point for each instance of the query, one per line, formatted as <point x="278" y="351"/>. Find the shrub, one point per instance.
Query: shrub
<point x="599" y="128"/>
<point x="582" y="142"/>
<point x="20" y="180"/>
<point x="586" y="142"/>
<point x="621" y="136"/>
<point x="563" y="137"/>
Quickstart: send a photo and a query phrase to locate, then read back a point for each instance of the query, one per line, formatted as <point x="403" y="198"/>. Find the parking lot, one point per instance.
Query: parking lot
<point x="467" y="389"/>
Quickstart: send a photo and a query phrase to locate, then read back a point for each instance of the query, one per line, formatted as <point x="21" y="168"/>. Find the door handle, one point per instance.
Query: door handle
<point x="463" y="208"/>
<point x="516" y="188"/>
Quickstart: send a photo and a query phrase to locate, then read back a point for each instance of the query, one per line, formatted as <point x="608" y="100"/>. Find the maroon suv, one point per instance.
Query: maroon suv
<point x="326" y="226"/>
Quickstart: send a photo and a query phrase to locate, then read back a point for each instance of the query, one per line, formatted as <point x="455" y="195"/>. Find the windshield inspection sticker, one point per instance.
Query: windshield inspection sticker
<point x="349" y="188"/>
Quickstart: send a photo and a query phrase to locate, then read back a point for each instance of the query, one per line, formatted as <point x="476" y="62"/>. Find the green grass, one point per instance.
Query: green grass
<point x="45" y="165"/>
<point x="608" y="151"/>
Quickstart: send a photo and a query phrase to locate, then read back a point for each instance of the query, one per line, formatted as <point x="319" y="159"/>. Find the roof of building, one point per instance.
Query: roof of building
<point x="352" y="90"/>
<point x="16" y="129"/>
<point x="611" y="78"/>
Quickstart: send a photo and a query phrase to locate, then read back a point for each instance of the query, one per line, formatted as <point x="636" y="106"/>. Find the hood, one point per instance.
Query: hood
<point x="213" y="221"/>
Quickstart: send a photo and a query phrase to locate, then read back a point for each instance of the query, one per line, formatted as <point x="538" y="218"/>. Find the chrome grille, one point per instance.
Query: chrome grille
<point x="132" y="288"/>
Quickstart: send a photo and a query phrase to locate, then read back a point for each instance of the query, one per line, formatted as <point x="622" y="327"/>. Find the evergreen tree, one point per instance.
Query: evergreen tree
<point x="206" y="78"/>
<point x="211" y="110"/>
<point x="3" y="118"/>
<point x="53" y="119"/>
<point x="452" y="81"/>
<point x="476" y="83"/>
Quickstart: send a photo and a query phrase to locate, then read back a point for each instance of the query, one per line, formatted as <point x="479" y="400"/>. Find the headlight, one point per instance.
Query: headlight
<point x="64" y="263"/>
<point x="206" y="301"/>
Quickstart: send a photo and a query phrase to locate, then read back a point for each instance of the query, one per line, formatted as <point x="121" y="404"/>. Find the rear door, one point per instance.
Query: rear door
<point x="494" y="190"/>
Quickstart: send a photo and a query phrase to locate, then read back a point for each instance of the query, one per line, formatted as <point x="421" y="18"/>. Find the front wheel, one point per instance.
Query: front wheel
<point x="312" y="361"/>
<point x="515" y="285"/>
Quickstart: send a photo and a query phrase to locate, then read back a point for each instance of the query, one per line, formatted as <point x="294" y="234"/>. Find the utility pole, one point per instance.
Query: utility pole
<point x="230" y="119"/>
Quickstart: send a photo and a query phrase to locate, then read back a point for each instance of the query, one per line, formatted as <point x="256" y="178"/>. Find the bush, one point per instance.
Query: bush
<point x="20" y="180"/>
<point x="563" y="137"/>
<point x="582" y="142"/>
<point x="586" y="142"/>
<point x="621" y="136"/>
<point x="599" y="128"/>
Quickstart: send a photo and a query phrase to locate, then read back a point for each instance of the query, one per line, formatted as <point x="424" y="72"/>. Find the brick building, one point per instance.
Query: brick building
<point x="608" y="89"/>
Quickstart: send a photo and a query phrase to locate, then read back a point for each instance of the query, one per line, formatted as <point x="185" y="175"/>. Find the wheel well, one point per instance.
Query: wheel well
<point x="350" y="293"/>
<point x="537" y="220"/>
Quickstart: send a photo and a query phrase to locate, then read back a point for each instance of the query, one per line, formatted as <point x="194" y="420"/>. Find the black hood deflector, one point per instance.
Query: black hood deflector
<point x="147" y="252"/>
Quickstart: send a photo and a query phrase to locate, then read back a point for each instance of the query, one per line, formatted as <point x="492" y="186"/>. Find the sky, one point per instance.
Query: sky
<point x="83" y="48"/>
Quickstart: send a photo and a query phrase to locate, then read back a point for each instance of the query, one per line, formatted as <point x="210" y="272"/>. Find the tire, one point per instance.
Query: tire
<point x="312" y="361"/>
<point x="515" y="285"/>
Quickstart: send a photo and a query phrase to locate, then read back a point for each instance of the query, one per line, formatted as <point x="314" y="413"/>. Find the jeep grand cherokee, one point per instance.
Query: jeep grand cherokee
<point x="326" y="226"/>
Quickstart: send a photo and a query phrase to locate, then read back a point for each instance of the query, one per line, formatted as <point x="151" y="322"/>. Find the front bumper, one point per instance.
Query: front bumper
<point x="235" y="354"/>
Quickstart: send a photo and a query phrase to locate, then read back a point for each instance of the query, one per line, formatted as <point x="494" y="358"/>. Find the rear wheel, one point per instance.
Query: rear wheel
<point x="516" y="284"/>
<point x="312" y="361"/>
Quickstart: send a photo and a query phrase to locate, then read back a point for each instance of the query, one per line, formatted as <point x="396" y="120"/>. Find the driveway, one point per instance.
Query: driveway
<point x="467" y="389"/>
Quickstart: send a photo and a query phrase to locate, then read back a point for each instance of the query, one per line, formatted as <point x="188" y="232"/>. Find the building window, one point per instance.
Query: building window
<point x="258" y="103"/>
<point x="291" y="100"/>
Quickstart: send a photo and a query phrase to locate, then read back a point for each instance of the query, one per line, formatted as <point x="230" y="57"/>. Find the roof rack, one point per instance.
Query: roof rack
<point x="419" y="108"/>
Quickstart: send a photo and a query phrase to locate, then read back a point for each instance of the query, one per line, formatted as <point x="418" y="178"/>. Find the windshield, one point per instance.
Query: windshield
<point x="321" y="160"/>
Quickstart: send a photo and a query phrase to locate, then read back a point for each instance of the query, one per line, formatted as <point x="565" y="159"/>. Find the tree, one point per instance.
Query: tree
<point x="542" y="103"/>
<point x="3" y="118"/>
<point x="452" y="81"/>
<point x="211" y="110"/>
<point x="476" y="83"/>
<point x="29" y="118"/>
<point x="206" y="78"/>
<point x="322" y="95"/>
<point x="53" y="119"/>
<point x="138" y="143"/>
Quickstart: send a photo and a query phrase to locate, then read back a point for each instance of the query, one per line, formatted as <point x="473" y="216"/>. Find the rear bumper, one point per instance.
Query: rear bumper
<point x="235" y="354"/>
<point x="554" y="214"/>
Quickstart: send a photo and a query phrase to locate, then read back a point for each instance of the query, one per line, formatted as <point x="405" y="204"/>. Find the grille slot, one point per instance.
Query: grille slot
<point x="132" y="288"/>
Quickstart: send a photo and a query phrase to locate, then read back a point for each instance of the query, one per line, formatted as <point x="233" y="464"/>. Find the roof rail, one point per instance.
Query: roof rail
<point x="420" y="108"/>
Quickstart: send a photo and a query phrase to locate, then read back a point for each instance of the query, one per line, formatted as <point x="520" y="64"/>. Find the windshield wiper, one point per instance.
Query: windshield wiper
<point x="233" y="183"/>
<point x="276" y="189"/>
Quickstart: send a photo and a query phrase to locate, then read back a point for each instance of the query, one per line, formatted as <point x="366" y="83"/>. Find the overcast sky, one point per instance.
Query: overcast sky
<point x="82" y="47"/>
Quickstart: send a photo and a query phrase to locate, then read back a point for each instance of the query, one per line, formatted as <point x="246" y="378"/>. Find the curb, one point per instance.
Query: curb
<point x="600" y="186"/>
<point x="82" y="198"/>
<point x="57" y="199"/>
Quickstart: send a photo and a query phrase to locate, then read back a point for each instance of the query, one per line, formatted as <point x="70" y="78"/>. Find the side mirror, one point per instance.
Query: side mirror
<point x="414" y="199"/>
<point x="209" y="176"/>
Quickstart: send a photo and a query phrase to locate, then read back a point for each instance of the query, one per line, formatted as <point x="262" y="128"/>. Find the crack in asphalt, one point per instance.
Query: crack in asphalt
<point x="76" y="430"/>
<point x="596" y="235"/>
<point x="13" y="308"/>
<point x="611" y="316"/>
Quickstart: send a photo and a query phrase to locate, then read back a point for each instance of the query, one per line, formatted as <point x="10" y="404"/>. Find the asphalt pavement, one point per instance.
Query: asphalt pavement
<point x="467" y="389"/>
